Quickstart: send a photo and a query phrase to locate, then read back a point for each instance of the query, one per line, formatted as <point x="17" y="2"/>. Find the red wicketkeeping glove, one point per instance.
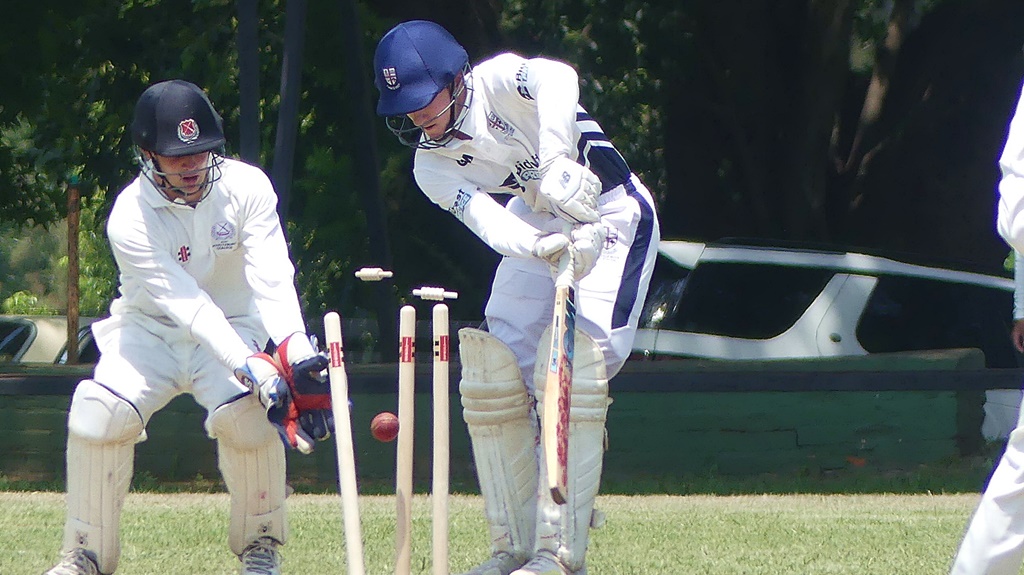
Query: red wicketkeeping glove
<point x="305" y="415"/>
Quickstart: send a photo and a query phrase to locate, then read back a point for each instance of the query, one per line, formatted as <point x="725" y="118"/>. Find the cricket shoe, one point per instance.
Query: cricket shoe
<point x="501" y="563"/>
<point x="261" y="557"/>
<point x="75" y="562"/>
<point x="546" y="564"/>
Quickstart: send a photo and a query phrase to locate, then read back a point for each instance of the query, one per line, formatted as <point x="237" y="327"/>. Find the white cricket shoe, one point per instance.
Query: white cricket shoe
<point x="546" y="564"/>
<point x="75" y="562"/>
<point x="501" y="563"/>
<point x="261" y="557"/>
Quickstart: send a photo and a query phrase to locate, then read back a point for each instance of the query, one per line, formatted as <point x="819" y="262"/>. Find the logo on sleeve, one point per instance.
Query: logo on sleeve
<point x="458" y="208"/>
<point x="184" y="253"/>
<point x="464" y="160"/>
<point x="521" y="77"/>
<point x="529" y="169"/>
<point x="496" y="123"/>
<point x="222" y="236"/>
<point x="512" y="183"/>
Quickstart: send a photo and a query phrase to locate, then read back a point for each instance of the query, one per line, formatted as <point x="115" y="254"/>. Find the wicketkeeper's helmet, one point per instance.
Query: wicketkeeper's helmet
<point x="175" y="118"/>
<point x="413" y="63"/>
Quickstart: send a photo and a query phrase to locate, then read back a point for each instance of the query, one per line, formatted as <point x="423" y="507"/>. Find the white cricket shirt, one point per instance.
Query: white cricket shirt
<point x="523" y="113"/>
<point x="1010" y="219"/>
<point x="193" y="268"/>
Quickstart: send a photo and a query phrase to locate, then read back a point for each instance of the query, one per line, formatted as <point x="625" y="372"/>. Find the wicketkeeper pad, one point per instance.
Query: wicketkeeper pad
<point x="251" y="460"/>
<point x="502" y="425"/>
<point x="102" y="432"/>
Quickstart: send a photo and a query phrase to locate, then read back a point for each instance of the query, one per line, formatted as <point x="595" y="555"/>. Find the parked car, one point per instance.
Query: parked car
<point x="43" y="339"/>
<point x="749" y="300"/>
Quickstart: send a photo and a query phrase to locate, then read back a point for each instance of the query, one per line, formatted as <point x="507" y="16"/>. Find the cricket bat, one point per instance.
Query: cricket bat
<point x="557" y="388"/>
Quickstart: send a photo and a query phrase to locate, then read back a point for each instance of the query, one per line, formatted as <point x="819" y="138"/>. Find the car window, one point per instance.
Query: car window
<point x="667" y="282"/>
<point x="88" y="351"/>
<point x="15" y="337"/>
<point x="746" y="300"/>
<point x="906" y="313"/>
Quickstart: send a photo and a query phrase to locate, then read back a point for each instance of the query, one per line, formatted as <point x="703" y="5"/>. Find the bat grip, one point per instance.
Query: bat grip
<point x="567" y="263"/>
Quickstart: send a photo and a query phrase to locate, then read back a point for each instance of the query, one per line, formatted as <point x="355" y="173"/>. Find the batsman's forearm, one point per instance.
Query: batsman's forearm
<point x="499" y="228"/>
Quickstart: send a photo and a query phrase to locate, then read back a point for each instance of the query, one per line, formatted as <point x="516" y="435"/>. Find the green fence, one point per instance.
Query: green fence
<point x="653" y="431"/>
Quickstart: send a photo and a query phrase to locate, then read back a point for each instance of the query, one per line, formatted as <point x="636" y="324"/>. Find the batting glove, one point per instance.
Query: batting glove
<point x="550" y="248"/>
<point x="307" y="415"/>
<point x="587" y="244"/>
<point x="571" y="190"/>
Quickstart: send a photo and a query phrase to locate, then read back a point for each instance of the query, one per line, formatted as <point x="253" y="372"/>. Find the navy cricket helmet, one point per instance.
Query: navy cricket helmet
<point x="413" y="63"/>
<point x="175" y="118"/>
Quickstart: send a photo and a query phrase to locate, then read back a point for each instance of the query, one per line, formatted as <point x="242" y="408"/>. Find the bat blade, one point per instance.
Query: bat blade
<point x="558" y="389"/>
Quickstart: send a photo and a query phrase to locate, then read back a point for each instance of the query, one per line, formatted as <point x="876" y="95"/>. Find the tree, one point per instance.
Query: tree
<point x="862" y="122"/>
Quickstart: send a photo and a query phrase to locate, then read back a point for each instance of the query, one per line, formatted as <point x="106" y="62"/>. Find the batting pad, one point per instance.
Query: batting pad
<point x="563" y="530"/>
<point x="102" y="432"/>
<point x="501" y="423"/>
<point x="251" y="460"/>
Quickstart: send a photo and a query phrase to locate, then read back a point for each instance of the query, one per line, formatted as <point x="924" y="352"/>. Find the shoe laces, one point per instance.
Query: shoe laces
<point x="261" y="557"/>
<point x="75" y="562"/>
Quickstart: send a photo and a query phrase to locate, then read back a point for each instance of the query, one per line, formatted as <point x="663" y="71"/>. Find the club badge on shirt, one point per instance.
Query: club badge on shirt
<point x="223" y="236"/>
<point x="495" y="122"/>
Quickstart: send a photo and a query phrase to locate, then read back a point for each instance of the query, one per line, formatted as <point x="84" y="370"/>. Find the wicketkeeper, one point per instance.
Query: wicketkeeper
<point x="206" y="283"/>
<point x="513" y="125"/>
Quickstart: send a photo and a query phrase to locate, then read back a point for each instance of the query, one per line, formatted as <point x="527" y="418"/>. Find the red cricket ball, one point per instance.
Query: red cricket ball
<point x="384" y="426"/>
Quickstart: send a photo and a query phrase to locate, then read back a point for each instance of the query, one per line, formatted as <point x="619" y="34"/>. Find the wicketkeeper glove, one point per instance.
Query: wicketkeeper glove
<point x="571" y="190"/>
<point x="587" y="243"/>
<point x="262" y="374"/>
<point x="306" y="415"/>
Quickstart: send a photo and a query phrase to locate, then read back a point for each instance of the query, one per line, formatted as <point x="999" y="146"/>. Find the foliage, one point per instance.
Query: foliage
<point x="97" y="273"/>
<point x="31" y="281"/>
<point x="23" y="302"/>
<point x="34" y="265"/>
<point x="738" y="115"/>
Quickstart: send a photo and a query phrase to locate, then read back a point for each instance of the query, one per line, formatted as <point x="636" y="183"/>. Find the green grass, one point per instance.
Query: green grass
<point x="185" y="534"/>
<point x="855" y="521"/>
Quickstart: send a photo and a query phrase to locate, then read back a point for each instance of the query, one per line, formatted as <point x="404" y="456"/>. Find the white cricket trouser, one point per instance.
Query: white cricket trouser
<point x="608" y="300"/>
<point x="149" y="364"/>
<point x="994" y="542"/>
<point x="143" y="365"/>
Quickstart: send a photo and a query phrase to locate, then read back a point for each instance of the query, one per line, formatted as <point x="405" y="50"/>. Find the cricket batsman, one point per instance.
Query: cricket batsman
<point x="514" y="125"/>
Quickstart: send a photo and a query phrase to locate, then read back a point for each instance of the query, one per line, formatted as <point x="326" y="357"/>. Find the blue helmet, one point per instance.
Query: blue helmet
<point x="413" y="63"/>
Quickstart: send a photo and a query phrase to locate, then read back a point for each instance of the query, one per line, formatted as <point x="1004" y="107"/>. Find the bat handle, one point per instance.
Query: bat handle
<point x="567" y="263"/>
